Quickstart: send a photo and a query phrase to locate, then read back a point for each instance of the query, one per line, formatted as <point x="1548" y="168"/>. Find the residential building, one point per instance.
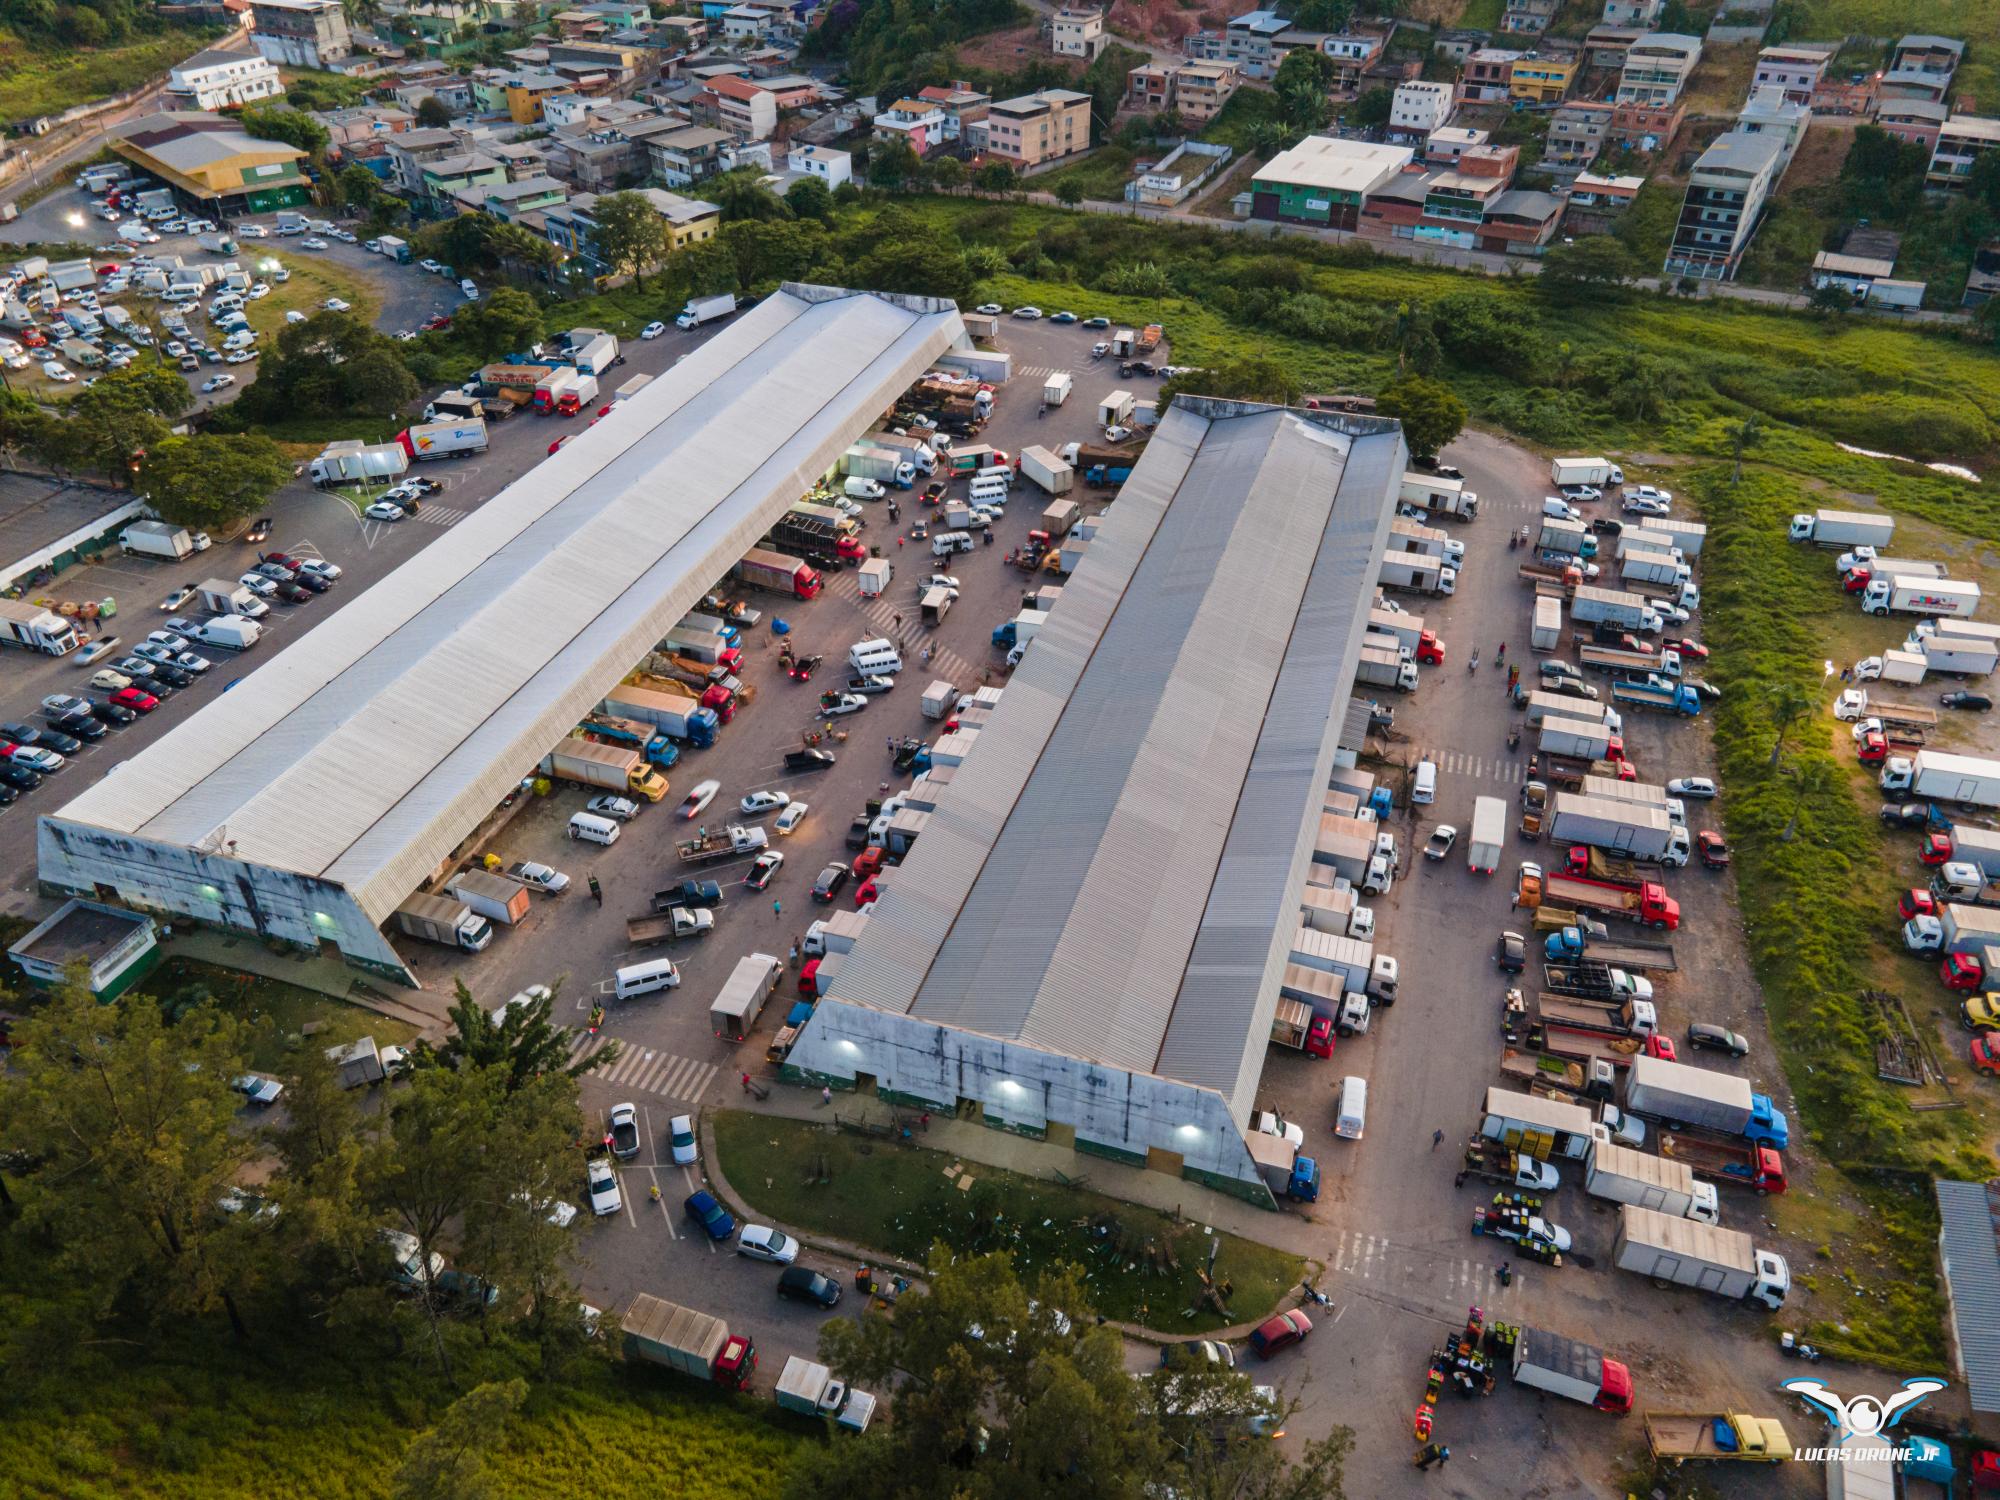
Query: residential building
<point x="209" y="160"/>
<point x="917" y="122"/>
<point x="682" y="158"/>
<point x="1916" y="121"/>
<point x="1969" y="1254"/>
<point x="688" y="32"/>
<point x="1962" y="140"/>
<point x="1455" y="46"/>
<point x="1457" y="202"/>
<point x="1178" y="175"/>
<point x="1726" y="193"/>
<point x="1489" y="74"/>
<point x="1150" y="88"/>
<point x="1078" y="33"/>
<point x="1657" y="68"/>
<point x="453" y="92"/>
<point x="1529" y="17"/>
<point x="301" y="33"/>
<point x="1417" y="109"/>
<point x="1542" y="80"/>
<point x="1644" y="14"/>
<point x="448" y="176"/>
<point x="1982" y="282"/>
<point x="1922" y="67"/>
<point x="412" y="149"/>
<point x="1605" y="47"/>
<point x="572" y="227"/>
<point x="1352" y="56"/>
<point x="1767" y="109"/>
<point x="622" y="63"/>
<point x="1519" y="222"/>
<point x="519" y="202"/>
<point x="1595" y="203"/>
<point x="214" y="79"/>
<point x="1796" y="71"/>
<point x="1445" y="145"/>
<point x="746" y="110"/>
<point x="1324" y="180"/>
<point x="963" y="106"/>
<point x="1202" y="88"/>
<point x="352" y="131"/>
<point x="1864" y="267"/>
<point x="1251" y="41"/>
<point x="823" y="162"/>
<point x="789" y="91"/>
<point x="1644" y="127"/>
<point x="1044" y="126"/>
<point x="743" y="23"/>
<point x="526" y="91"/>
<point x="1577" y="132"/>
<point x="522" y="159"/>
<point x="1848" y="94"/>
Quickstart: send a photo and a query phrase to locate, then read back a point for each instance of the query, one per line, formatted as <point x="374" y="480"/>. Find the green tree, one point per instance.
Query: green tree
<point x="131" y="1124"/>
<point x="26" y="428"/>
<point x="210" y="481"/>
<point x="1323" y="15"/>
<point x="1829" y="299"/>
<point x="1372" y="108"/>
<point x="948" y="174"/>
<point x="743" y="194"/>
<point x="809" y="198"/>
<point x="1789" y="703"/>
<point x="1304" y="85"/>
<point x="144" y="386"/>
<point x="895" y="165"/>
<point x="767" y="253"/>
<point x="996" y="177"/>
<point x="1431" y="414"/>
<point x="1266" y="137"/>
<point x="631" y="237"/>
<point x="450" y="1461"/>
<point x="292" y="126"/>
<point x="358" y="187"/>
<point x="433" y="113"/>
<point x="1744" y="436"/>
<point x="1069" y="192"/>
<point x="926" y="267"/>
<point x="1592" y="266"/>
<point x="505" y="320"/>
<point x="106" y="430"/>
<point x="523" y="1046"/>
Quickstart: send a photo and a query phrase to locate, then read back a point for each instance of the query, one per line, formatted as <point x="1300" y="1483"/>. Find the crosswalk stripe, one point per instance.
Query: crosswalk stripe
<point x="657" y="1075"/>
<point x="440" y="515"/>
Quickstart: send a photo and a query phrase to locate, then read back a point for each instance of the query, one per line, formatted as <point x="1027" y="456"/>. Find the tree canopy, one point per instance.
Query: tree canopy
<point x="1431" y="413"/>
<point x="630" y="238"/>
<point x="210" y="481"/>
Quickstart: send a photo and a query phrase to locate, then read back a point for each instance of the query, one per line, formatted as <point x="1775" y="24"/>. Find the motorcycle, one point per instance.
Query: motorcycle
<point x="1794" y="1347"/>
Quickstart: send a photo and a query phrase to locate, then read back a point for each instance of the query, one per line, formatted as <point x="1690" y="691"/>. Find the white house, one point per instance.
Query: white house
<point x="215" y="79"/>
<point x="1419" y="107"/>
<point x="829" y="166"/>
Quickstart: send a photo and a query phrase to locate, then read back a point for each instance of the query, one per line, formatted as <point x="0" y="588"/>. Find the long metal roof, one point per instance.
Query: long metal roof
<point x="367" y="750"/>
<point x="1114" y="873"/>
<point x="1969" y="1242"/>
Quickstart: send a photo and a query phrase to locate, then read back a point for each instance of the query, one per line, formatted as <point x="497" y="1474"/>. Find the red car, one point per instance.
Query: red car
<point x="110" y="270"/>
<point x="136" y="700"/>
<point x="1273" y="1334"/>
<point x="1714" y="851"/>
<point x="1694" y="649"/>
<point x="1661" y="1047"/>
<point x="34" y="338"/>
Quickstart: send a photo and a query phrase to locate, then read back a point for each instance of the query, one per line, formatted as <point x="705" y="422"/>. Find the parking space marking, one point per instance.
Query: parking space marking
<point x="440" y="515"/>
<point x="1480" y="767"/>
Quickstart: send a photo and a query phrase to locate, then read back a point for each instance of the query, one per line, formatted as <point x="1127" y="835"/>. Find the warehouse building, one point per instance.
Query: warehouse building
<point x="1087" y="941"/>
<point x="310" y="800"/>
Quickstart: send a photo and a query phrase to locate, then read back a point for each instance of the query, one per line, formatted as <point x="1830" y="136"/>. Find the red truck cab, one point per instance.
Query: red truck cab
<point x="1916" y="902"/>
<point x="1961" y="971"/>
<point x="850" y="549"/>
<point x="1874" y="748"/>
<point x="867" y="862"/>
<point x="1430" y="650"/>
<point x="809" y="979"/>
<point x="1319" y="1038"/>
<point x="568" y="404"/>
<point x="737" y="1363"/>
<point x="732" y="659"/>
<point x="1856" y="580"/>
<point x="722" y="700"/>
<point x="1937" y="849"/>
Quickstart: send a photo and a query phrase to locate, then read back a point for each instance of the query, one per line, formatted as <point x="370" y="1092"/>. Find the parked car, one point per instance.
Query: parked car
<point x="1703" y="1036"/>
<point x="804" y="1284"/>
<point x="710" y="1215"/>
<point x="681" y="1142"/>
<point x="603" y="1182"/>
<point x="652" y="330"/>
<point x="761" y="1242"/>
<point x="1971" y="702"/>
<point x="830" y="883"/>
<point x="609" y="805"/>
<point x="1280" y="1332"/>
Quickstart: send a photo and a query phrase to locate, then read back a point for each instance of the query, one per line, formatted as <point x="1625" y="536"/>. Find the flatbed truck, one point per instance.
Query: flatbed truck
<point x="1675" y="1437"/>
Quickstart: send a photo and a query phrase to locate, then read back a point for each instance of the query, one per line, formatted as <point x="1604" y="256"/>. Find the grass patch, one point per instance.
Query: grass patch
<point x="1481" y="15"/>
<point x="36" y="79"/>
<point x="900" y="1199"/>
<point x="312" y="282"/>
<point x="1102" y="176"/>
<point x="280" y="1012"/>
<point x="1242" y="110"/>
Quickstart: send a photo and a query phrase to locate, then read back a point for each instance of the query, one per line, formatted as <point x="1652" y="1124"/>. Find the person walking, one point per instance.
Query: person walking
<point x="777" y="909"/>
<point x="794" y="960"/>
<point x="1437" y="1139"/>
<point x="746" y="1083"/>
<point x="596" y="891"/>
<point x="825" y="1094"/>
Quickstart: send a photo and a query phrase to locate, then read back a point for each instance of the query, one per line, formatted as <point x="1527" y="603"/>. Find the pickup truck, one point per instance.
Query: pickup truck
<point x="727" y="843"/>
<point x="1494" y="1162"/>
<point x="674" y="925"/>
<point x="544" y="878"/>
<point x="688" y="893"/>
<point x="1678" y="1436"/>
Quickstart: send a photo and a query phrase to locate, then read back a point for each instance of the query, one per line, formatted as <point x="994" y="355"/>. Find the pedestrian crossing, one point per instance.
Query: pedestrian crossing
<point x="1043" y="372"/>
<point x="440" y="515"/>
<point x="646" y="1070"/>
<point x="882" y="613"/>
<point x="1455" y="1282"/>
<point x="1500" y="768"/>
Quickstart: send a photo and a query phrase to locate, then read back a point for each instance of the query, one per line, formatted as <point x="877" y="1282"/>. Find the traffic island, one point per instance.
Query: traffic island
<point x="899" y="1198"/>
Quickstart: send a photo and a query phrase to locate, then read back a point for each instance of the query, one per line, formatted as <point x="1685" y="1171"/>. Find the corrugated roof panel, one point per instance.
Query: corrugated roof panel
<point x="407" y="715"/>
<point x="1970" y="1242"/>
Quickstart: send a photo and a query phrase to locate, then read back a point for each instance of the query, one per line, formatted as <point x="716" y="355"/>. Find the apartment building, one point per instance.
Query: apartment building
<point x="214" y="79"/>
<point x="1202" y="88"/>
<point x="1605" y="47"/>
<point x="963" y="106"/>
<point x="1252" y="41"/>
<point x="1962" y="140"/>
<point x="1541" y="80"/>
<point x="1577" y="132"/>
<point x="1418" y="108"/>
<point x="1489" y="74"/>
<point x="1916" y="121"/>
<point x="1795" y="71"/>
<point x="1922" y="67"/>
<point x="1352" y="55"/>
<point x="1529" y="17"/>
<point x="1077" y="32"/>
<point x="1644" y="127"/>
<point x="830" y="166"/>
<point x="744" y="109"/>
<point x="1448" y="143"/>
<point x="300" y="33"/>
<point x="1767" y="110"/>
<point x="919" y="123"/>
<point x="1726" y="193"/>
<point x="682" y="158"/>
<point x="1656" y="69"/>
<point x="1044" y="126"/>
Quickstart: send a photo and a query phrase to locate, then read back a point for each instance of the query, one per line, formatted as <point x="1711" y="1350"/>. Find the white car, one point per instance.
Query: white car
<point x="681" y="1140"/>
<point x="604" y="1195"/>
<point x="793" y="815"/>
<point x="521" y="1001"/>
<point x="382" y="510"/>
<point x="761" y="1242"/>
<point x="1442" y="838"/>
<point x="703" y="794"/>
<point x="990" y="309"/>
<point x="1266" y="1123"/>
<point x="1691" y="786"/>
<point x="252" y="232"/>
<point x="55" y="370"/>
<point x="312" y="242"/>
<point x="942" y="581"/>
<point x="623" y="809"/>
<point x="652" y="330"/>
<point x="763" y="802"/>
<point x="1650" y="492"/>
<point x="429" y="265"/>
<point x="216" y="383"/>
<point x="260" y="290"/>
<point x="35" y="758"/>
<point x="1027" y="314"/>
<point x="239" y="356"/>
<point x="259" y="585"/>
<point x="326" y="570"/>
<point x="335" y="304"/>
<point x="470" y="290"/>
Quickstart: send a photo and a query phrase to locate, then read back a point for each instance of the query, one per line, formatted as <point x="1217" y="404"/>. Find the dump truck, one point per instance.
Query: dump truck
<point x="1570" y="1369"/>
<point x="741" y="999"/>
<point x="610" y="768"/>
<point x="694" y="1343"/>
<point x="1703" y="1256"/>
<point x="1675" y="1437"/>
<point x="1643" y="901"/>
<point x="1734" y="1163"/>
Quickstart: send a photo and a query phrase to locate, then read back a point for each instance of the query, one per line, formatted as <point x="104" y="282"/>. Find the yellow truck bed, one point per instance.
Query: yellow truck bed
<point x="1678" y="1436"/>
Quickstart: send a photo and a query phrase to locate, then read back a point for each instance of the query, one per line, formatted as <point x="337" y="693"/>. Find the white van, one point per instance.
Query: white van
<point x="992" y="479"/>
<point x="858" y="488"/>
<point x="644" y="979"/>
<point x="593" y="829"/>
<point x="878" y="655"/>
<point x="1557" y="508"/>
<point x="1425" y="788"/>
<point x="1353" y="1117"/>
<point x="947" y="542"/>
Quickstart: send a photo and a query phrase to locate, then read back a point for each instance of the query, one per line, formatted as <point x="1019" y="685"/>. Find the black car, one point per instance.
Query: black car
<point x="1976" y="703"/>
<point x="19" y="776"/>
<point x="804" y="1284"/>
<point x="291" y="593"/>
<point x="83" y="726"/>
<point x="1607" y="525"/>
<point x="8" y="795"/>
<point x="808" y="760"/>
<point x="1717" y="1039"/>
<point x="113" y="713"/>
<point x="21" y="734"/>
<point x="697" y="893"/>
<point x="830" y="881"/>
<point x="1511" y="952"/>
<point x="62" y="744"/>
<point x="1906" y="814"/>
<point x="312" y="583"/>
<point x="172" y="676"/>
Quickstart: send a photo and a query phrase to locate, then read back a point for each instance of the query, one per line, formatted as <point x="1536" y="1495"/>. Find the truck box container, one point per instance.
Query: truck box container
<point x="1059" y="517"/>
<point x="437" y="920"/>
<point x="701" y="645"/>
<point x="1638" y="538"/>
<point x="1652" y="567"/>
<point x="1577" y="738"/>
<point x="1411" y="572"/>
<point x="611" y="768"/>
<point x="1407" y="629"/>
<point x="776" y="573"/>
<point x="700" y="310"/>
<point x="454" y="439"/>
<point x="1042" y="467"/>
<point x="1348" y="959"/>
<point x="1941" y="777"/>
<point x="1569" y="537"/>
<point x="1844" y="528"/>
<point x="1593" y="606"/>
<point x="1706" y="1257"/>
<point x="1426" y="541"/>
<point x="357" y="1064"/>
<point x="1115" y="408"/>
<point x="741" y="999"/>
<point x="939" y="698"/>
<point x="1676" y="1093"/>
<point x="682" y="718"/>
<point x="355" y="462"/>
<point x="1637" y="832"/>
<point x="1955" y="929"/>
<point x="226" y="597"/>
<point x="1541" y="706"/>
<point x="1689" y="536"/>
<point x="1445" y="497"/>
<point x="494" y="897"/>
<point x="1056" y="389"/>
<point x="34" y="628"/>
<point x="1621" y="1175"/>
<point x="885" y="465"/>
<point x="157" y="539"/>
<point x="1902" y="594"/>
<point x="1592" y="471"/>
<point x="1953" y="655"/>
<point x="1576" y="1371"/>
<point x="592" y="350"/>
<point x="1547" y="632"/>
<point x="1385" y="666"/>
<point x="1546" y="1129"/>
<point x="694" y="1343"/>
<point x="1977" y="846"/>
<point x="1489" y="835"/>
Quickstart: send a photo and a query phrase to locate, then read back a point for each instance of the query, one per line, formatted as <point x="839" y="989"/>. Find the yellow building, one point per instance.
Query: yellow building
<point x="526" y="91"/>
<point x="208" y="157"/>
<point x="1542" y="80"/>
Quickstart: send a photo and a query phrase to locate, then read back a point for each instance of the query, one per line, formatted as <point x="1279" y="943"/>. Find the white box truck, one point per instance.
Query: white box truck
<point x="810" y="1390"/>
<point x="1944" y="778"/>
<point x="1546" y="634"/>
<point x="741" y="999"/>
<point x="700" y="310"/>
<point x="1621" y="1175"/>
<point x="1844" y="528"/>
<point x="1056" y="389"/>
<point x="1594" y="606"/>
<point x="1706" y="1257"/>
<point x="1625" y="828"/>
<point x="352" y="461"/>
<point x="1115" y="408"/>
<point x="227" y="598"/>
<point x="157" y="539"/>
<point x="1045" y="469"/>
<point x="1385" y="666"/>
<point x="1904" y="595"/>
<point x="1444" y="497"/>
<point x="1594" y="471"/>
<point x="1489" y="835"/>
<point x="1952" y="655"/>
